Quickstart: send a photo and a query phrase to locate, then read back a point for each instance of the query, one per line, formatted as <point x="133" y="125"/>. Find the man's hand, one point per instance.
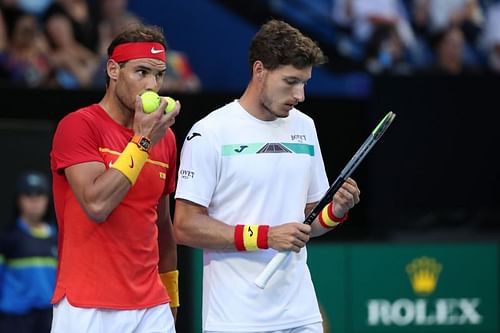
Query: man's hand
<point x="289" y="236"/>
<point x="346" y="197"/>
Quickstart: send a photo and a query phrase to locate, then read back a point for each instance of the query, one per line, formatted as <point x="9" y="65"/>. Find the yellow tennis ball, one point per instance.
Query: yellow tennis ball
<point x="150" y="101"/>
<point x="170" y="104"/>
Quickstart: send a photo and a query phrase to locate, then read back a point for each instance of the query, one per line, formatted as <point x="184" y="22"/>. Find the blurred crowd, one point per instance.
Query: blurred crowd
<point x="63" y="44"/>
<point x="419" y="36"/>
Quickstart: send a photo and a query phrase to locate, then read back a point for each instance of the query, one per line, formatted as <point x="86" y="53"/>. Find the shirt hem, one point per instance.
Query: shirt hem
<point x="92" y="305"/>
<point x="250" y="327"/>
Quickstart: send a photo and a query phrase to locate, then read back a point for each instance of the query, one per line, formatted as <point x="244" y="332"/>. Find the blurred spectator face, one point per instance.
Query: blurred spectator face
<point x="24" y="31"/>
<point x="59" y="30"/>
<point x="110" y="8"/>
<point x="420" y="12"/>
<point x="451" y="47"/>
<point x="33" y="206"/>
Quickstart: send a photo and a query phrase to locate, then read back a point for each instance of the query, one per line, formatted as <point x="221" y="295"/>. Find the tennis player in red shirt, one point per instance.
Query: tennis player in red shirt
<point x="113" y="169"/>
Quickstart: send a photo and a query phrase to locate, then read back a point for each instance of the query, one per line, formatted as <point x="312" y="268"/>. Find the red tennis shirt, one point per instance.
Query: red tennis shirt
<point x="113" y="264"/>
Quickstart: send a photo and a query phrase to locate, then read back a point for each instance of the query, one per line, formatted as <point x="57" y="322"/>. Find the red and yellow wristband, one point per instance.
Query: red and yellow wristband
<point x="250" y="237"/>
<point x="171" y="282"/>
<point x="328" y="220"/>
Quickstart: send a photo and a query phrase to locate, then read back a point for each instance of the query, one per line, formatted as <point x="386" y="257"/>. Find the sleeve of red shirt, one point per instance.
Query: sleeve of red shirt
<point x="172" y="163"/>
<point x="74" y="142"/>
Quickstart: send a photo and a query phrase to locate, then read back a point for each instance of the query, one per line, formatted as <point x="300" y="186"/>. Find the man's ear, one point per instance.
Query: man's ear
<point x="258" y="70"/>
<point x="113" y="68"/>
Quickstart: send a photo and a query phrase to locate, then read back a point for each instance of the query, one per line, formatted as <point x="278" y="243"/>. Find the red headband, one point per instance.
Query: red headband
<point x="136" y="50"/>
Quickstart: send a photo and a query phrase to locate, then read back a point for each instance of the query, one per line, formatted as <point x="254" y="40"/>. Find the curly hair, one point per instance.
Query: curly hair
<point x="278" y="43"/>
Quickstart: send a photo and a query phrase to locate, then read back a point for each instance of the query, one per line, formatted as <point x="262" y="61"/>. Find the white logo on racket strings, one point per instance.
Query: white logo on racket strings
<point x="155" y="51"/>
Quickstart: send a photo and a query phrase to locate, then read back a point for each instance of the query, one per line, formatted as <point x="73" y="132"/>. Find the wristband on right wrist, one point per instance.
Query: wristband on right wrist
<point x="328" y="220"/>
<point x="250" y="237"/>
<point x="131" y="161"/>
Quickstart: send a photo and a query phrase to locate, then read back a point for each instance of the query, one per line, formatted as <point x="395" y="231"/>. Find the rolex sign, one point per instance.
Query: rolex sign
<point x="406" y="288"/>
<point x="426" y="288"/>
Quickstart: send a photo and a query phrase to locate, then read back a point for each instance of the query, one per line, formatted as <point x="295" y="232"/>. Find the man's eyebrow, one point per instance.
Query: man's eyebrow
<point x="295" y="78"/>
<point x="150" y="69"/>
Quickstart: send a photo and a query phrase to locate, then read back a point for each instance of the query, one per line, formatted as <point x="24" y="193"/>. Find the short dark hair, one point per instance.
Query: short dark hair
<point x="278" y="43"/>
<point x="138" y="33"/>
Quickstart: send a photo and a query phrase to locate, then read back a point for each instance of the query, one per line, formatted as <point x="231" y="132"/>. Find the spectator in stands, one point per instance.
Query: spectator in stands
<point x="369" y="22"/>
<point x="385" y="52"/>
<point x="28" y="250"/>
<point x="75" y="64"/>
<point x="114" y="18"/>
<point x="465" y="14"/>
<point x="434" y="17"/>
<point x="81" y="18"/>
<point x="25" y="60"/>
<point x="449" y="50"/>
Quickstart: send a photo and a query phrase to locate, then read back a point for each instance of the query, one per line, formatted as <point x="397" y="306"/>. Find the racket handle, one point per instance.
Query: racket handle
<point x="270" y="269"/>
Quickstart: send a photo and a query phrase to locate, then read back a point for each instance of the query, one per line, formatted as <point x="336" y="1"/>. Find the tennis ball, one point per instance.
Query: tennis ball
<point x="170" y="105"/>
<point x="150" y="101"/>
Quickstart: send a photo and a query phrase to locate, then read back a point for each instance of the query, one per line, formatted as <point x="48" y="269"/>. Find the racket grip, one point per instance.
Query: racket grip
<point x="270" y="269"/>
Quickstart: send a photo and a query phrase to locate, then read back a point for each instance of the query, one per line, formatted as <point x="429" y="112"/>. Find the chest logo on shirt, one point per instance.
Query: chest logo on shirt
<point x="239" y="150"/>
<point x="298" y="137"/>
<point x="267" y="148"/>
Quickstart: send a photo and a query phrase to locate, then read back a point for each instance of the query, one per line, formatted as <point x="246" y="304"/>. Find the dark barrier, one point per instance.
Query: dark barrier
<point x="436" y="176"/>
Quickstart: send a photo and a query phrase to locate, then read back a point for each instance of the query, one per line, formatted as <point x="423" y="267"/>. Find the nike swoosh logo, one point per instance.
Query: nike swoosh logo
<point x="110" y="164"/>
<point x="192" y="136"/>
<point x="155" y="51"/>
<point x="241" y="149"/>
<point x="250" y="231"/>
<point x="131" y="165"/>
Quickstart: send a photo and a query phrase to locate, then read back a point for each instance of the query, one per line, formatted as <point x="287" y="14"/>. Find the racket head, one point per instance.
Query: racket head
<point x="383" y="125"/>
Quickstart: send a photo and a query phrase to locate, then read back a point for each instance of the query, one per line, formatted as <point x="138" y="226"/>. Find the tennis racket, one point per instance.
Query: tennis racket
<point x="263" y="278"/>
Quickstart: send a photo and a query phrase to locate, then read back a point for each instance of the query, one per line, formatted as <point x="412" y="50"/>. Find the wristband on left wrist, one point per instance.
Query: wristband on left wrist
<point x="170" y="281"/>
<point x="328" y="220"/>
